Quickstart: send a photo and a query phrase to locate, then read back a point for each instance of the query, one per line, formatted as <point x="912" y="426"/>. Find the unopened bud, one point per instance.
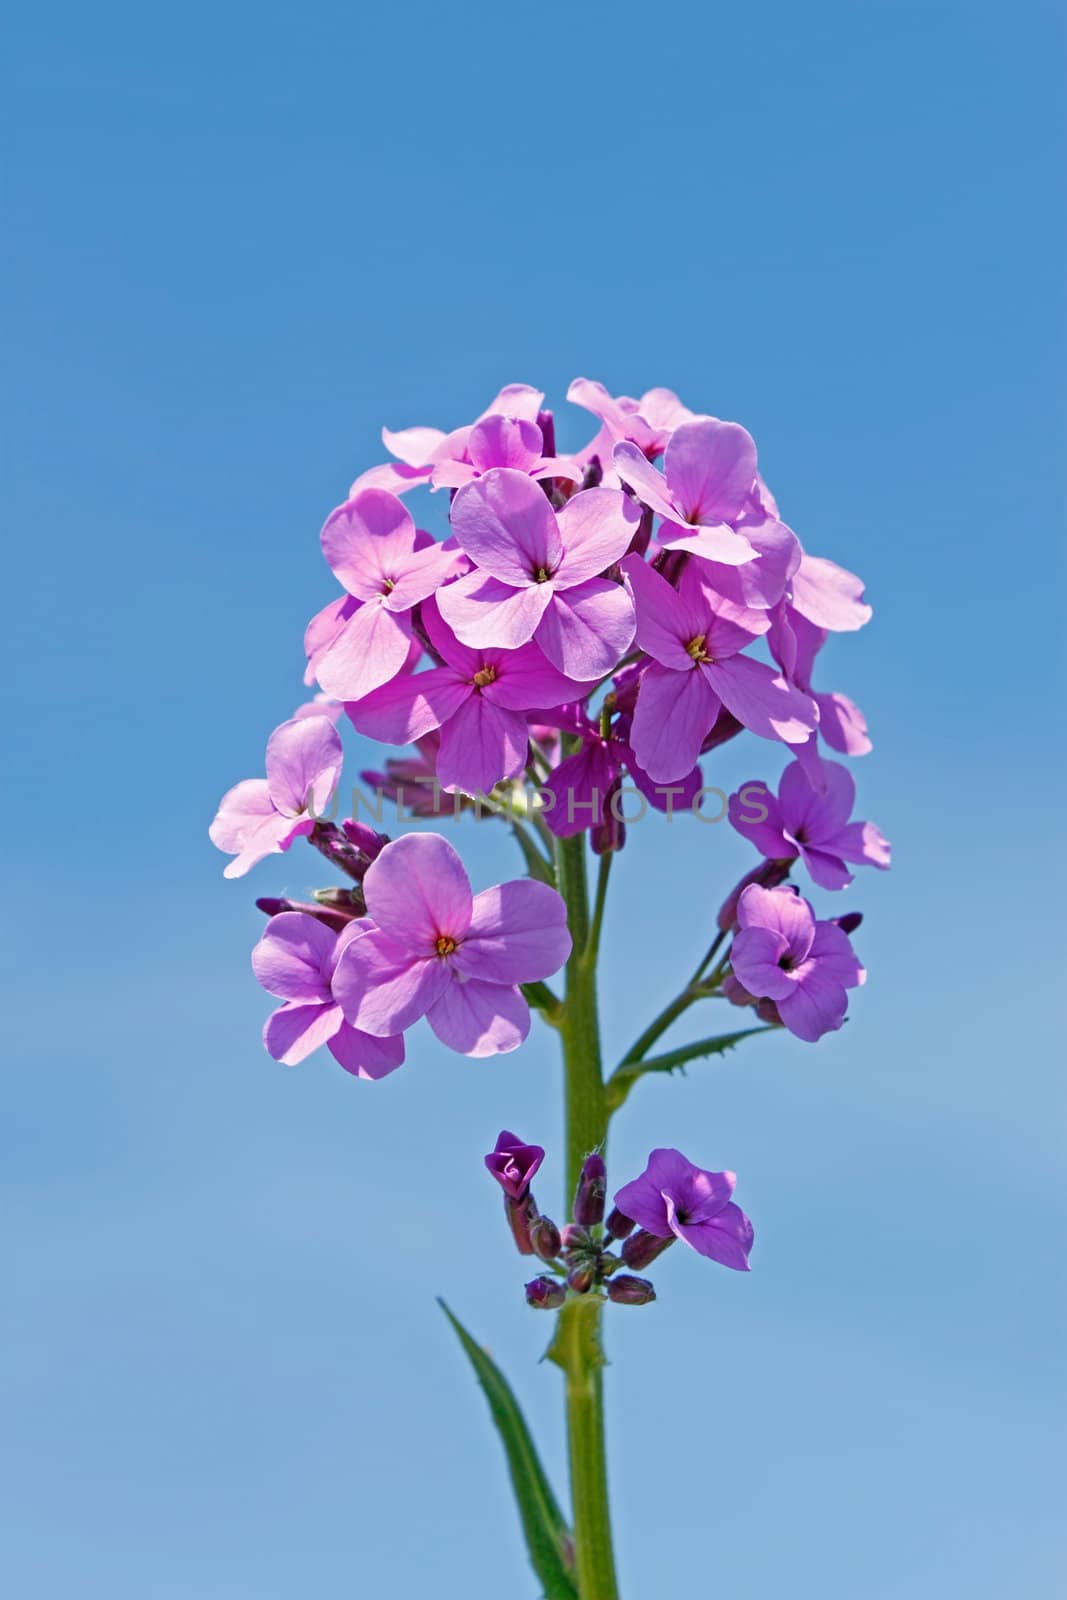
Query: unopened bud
<point x="547" y="424"/>
<point x="544" y="1236"/>
<point x="582" y="1277"/>
<point x="626" y="1290"/>
<point x="575" y="1238"/>
<point x="849" y="922"/>
<point x="641" y="1248"/>
<point x="769" y="874"/>
<point x="545" y="1294"/>
<point x="767" y="1011"/>
<point x="521" y="1215"/>
<point x="365" y="839"/>
<point x="618" y="1226"/>
<point x="337" y="920"/>
<point x="592" y="1187"/>
<point x="345" y="902"/>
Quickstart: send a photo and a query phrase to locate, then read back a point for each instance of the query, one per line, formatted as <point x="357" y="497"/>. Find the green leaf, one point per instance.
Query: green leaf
<point x="547" y="1534"/>
<point x="625" y="1076"/>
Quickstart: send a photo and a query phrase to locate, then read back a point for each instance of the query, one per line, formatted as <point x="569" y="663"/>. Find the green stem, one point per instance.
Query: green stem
<point x="576" y="1347"/>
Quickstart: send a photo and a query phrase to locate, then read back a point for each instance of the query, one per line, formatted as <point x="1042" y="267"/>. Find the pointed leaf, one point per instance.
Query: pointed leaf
<point x="625" y="1076"/>
<point x="547" y="1535"/>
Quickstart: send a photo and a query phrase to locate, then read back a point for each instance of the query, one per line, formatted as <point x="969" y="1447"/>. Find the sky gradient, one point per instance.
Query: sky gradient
<point x="240" y="239"/>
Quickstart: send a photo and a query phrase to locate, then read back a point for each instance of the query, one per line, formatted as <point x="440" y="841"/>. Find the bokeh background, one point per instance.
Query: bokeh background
<point x="239" y="239"/>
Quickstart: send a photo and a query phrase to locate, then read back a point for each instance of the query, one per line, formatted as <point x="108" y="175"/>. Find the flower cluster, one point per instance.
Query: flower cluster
<point x="671" y="1200"/>
<point x="612" y="614"/>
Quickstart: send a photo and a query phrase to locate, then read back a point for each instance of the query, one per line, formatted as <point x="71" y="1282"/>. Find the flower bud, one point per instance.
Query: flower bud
<point x="544" y="1236"/>
<point x="626" y="1290"/>
<point x="582" y="1276"/>
<point x="335" y="919"/>
<point x="769" y="874"/>
<point x="513" y="1163"/>
<point x="574" y="1238"/>
<point x="618" y="1226"/>
<point x="365" y="839"/>
<point x="641" y="1248"/>
<point x="592" y="1187"/>
<point x="547" y="424"/>
<point x="343" y="902"/>
<point x="735" y="992"/>
<point x="545" y="1294"/>
<point x="767" y="1011"/>
<point x="521" y="1215"/>
<point x="849" y="922"/>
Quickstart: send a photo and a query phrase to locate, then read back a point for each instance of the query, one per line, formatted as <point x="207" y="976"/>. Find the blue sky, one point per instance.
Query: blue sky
<point x="239" y="239"/>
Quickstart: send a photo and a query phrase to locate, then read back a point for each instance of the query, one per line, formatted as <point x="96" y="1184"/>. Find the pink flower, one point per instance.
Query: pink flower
<point x="418" y="450"/>
<point x="695" y="638"/>
<point x="647" y="423"/>
<point x="708" y="472"/>
<point x="478" y="699"/>
<point x="810" y="819"/>
<point x="262" y="816"/>
<point x="296" y="960"/>
<point x="437" y="950"/>
<point x="373" y="548"/>
<point x="498" y="441"/>
<point x="783" y="954"/>
<point x="538" y="572"/>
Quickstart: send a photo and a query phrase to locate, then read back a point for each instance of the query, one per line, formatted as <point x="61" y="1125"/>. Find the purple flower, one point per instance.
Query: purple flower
<point x="478" y="699"/>
<point x="514" y="1164"/>
<point x="795" y="642"/>
<point x="296" y="960"/>
<point x="646" y="423"/>
<point x="583" y="785"/>
<point x="672" y="1196"/>
<point x="436" y="950"/>
<point x="810" y="819"/>
<point x="783" y="954"/>
<point x="498" y="441"/>
<point x="708" y="471"/>
<point x="373" y="548"/>
<point x="418" y="450"/>
<point x="695" y="638"/>
<point x="262" y="816"/>
<point x="538" y="573"/>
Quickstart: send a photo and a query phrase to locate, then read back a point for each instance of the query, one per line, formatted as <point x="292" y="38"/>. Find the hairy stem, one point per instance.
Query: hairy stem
<point x="576" y="1347"/>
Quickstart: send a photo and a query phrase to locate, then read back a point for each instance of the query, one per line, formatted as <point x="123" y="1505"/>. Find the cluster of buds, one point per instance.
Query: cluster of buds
<point x="581" y="1253"/>
<point x="672" y="1200"/>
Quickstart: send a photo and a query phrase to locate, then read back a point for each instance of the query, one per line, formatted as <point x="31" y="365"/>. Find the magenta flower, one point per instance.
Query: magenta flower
<point x="262" y="816"/>
<point x="498" y="441"/>
<point x="372" y="546"/>
<point x="439" y="951"/>
<point x="514" y="1164"/>
<point x="672" y="1196"/>
<point x="478" y="699"/>
<point x="296" y="960"/>
<point x="810" y="819"/>
<point x="418" y="450"/>
<point x="695" y="638"/>
<point x="795" y="643"/>
<point x="709" y="469"/>
<point x="783" y="954"/>
<point x="538" y="572"/>
<point x="582" y="785"/>
<point x="646" y="423"/>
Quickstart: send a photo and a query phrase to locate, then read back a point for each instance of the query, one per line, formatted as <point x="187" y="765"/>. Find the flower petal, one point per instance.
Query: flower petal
<point x="293" y="1031"/>
<point x="365" y="539"/>
<point x="417" y="890"/>
<point x="710" y="467"/>
<point x="404" y="710"/>
<point x="292" y="959"/>
<point x="762" y="699"/>
<point x="646" y="481"/>
<point x="829" y="595"/>
<point x="814" y="1007"/>
<point x="596" y="527"/>
<point x="481" y="744"/>
<point x="727" y="1238"/>
<point x="304" y="760"/>
<point x="480" y="1019"/>
<point x="674" y="712"/>
<point x="487" y="614"/>
<point x="585" y="631"/>
<point x="518" y="934"/>
<point x="365" y="1056"/>
<point x="370" y="649"/>
<point x="755" y="955"/>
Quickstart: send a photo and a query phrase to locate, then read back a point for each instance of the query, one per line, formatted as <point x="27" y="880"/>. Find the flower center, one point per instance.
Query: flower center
<point x="484" y="676"/>
<point x="787" y="962"/>
<point x="388" y="585"/>
<point x="697" y="648"/>
<point x="444" y="944"/>
<point x="541" y="574"/>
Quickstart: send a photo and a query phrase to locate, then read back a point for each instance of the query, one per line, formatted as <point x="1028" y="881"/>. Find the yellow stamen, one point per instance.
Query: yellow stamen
<point x="483" y="676"/>
<point x="697" y="648"/>
<point x="444" y="945"/>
